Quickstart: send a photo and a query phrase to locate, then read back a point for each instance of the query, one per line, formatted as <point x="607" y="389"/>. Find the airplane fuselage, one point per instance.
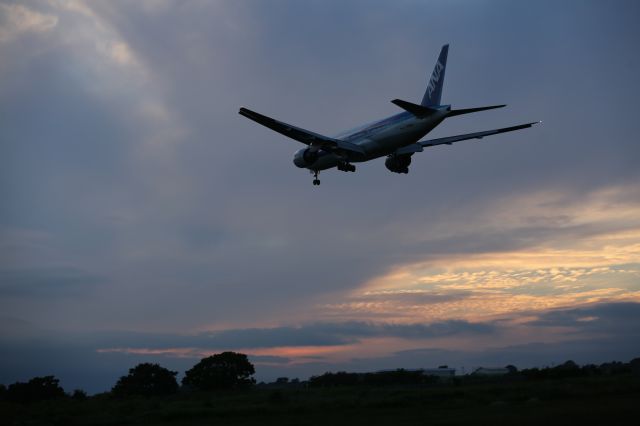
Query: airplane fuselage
<point x="397" y="137"/>
<point x="380" y="138"/>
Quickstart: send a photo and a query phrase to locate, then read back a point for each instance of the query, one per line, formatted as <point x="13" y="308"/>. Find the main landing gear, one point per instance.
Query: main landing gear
<point x="342" y="166"/>
<point x="346" y="167"/>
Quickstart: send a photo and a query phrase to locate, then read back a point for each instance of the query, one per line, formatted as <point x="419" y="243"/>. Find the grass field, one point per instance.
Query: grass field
<point x="586" y="401"/>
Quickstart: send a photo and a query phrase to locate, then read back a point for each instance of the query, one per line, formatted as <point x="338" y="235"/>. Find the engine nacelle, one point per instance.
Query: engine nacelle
<point x="305" y="157"/>
<point x="398" y="163"/>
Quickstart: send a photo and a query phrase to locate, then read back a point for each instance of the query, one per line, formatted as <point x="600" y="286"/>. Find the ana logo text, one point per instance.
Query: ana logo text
<point x="435" y="77"/>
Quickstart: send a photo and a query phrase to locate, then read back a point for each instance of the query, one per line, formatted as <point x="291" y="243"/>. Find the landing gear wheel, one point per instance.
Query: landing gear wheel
<point x="346" y="167"/>
<point x="316" y="181"/>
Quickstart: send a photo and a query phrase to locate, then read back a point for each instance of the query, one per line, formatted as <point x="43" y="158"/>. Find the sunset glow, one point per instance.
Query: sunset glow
<point x="144" y="220"/>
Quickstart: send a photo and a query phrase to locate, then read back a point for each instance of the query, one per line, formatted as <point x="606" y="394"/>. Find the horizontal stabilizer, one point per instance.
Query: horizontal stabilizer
<point x="455" y="112"/>
<point x="419" y="111"/>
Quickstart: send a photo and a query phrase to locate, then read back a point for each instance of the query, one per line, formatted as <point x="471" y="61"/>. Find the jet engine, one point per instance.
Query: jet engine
<point x="398" y="163"/>
<point x="305" y="157"/>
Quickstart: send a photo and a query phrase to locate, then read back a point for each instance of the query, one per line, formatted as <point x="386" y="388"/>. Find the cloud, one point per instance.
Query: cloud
<point x="313" y="334"/>
<point x="588" y="253"/>
<point x="45" y="283"/>
<point x="604" y="319"/>
<point x="17" y="328"/>
<point x="17" y="20"/>
<point x="355" y="346"/>
<point x="149" y="177"/>
<point x="587" y="334"/>
<point x="123" y="157"/>
<point x="94" y="360"/>
<point x="587" y="351"/>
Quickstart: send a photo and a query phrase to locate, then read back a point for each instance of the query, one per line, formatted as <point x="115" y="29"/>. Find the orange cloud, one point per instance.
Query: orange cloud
<point x="589" y="253"/>
<point x="295" y="354"/>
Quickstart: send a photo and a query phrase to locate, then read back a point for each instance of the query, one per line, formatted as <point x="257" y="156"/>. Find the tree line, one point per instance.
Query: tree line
<point x="231" y="370"/>
<point x="568" y="369"/>
<point x="227" y="370"/>
<point x="381" y="378"/>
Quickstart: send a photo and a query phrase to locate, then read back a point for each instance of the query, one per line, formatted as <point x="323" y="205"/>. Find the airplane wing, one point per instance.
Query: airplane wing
<point x="477" y="135"/>
<point x="301" y="135"/>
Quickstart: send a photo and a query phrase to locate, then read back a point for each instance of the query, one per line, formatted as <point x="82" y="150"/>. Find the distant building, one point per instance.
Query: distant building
<point x="442" y="372"/>
<point x="483" y="371"/>
<point x="393" y="370"/>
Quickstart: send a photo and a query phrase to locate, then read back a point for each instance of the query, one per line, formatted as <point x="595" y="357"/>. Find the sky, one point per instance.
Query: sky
<point x="143" y="220"/>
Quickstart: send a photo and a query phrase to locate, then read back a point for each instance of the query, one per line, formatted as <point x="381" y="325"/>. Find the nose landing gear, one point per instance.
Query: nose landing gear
<point x="316" y="181"/>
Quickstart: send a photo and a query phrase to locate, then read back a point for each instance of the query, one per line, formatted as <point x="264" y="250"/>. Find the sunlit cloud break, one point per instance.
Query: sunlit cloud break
<point x="602" y="264"/>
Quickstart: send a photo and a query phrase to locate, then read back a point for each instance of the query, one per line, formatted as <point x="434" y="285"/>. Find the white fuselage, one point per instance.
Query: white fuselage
<point x="381" y="138"/>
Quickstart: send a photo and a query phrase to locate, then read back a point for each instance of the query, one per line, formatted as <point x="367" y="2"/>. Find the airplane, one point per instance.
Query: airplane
<point x="396" y="137"/>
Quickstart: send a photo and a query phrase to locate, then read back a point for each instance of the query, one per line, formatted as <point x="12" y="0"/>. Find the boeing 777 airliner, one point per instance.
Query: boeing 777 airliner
<point x="397" y="137"/>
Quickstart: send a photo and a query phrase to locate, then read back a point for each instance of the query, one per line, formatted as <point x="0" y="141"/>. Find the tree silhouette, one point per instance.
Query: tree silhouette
<point x="79" y="395"/>
<point x="36" y="389"/>
<point x="147" y="379"/>
<point x="228" y="370"/>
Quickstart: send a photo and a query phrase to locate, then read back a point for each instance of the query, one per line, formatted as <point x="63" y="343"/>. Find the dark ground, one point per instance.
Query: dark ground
<point x="604" y="400"/>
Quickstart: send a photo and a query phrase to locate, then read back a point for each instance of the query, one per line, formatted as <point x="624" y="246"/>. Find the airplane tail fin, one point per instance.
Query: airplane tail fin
<point x="434" y="90"/>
